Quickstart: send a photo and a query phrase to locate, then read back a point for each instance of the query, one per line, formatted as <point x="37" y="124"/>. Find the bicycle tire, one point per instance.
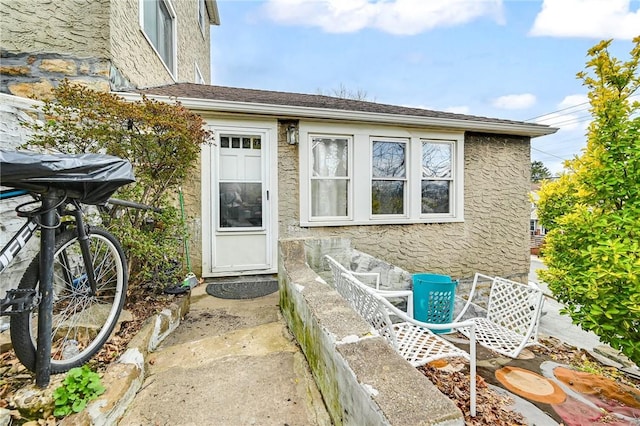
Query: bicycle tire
<point x="81" y="323"/>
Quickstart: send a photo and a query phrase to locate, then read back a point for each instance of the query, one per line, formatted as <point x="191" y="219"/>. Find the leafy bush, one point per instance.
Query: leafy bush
<point x="161" y="140"/>
<point x="593" y="247"/>
<point x="80" y="386"/>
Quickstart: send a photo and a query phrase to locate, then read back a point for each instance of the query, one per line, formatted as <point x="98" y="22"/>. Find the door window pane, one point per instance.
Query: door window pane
<point x="330" y="176"/>
<point x="240" y="205"/>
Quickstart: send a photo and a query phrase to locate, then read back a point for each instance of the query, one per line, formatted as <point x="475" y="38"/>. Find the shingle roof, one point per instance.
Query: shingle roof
<point x="267" y="97"/>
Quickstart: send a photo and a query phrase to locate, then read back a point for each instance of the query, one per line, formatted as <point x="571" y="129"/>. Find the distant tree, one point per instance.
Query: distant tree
<point x="344" y="93"/>
<point x="593" y="248"/>
<point x="539" y="171"/>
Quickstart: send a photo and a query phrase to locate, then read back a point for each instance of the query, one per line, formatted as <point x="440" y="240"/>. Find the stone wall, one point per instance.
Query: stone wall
<point x="98" y="43"/>
<point x="361" y="378"/>
<point x="13" y="112"/>
<point x="493" y="239"/>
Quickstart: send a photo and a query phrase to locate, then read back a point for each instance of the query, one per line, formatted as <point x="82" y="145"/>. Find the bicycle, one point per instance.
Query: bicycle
<point x="72" y="293"/>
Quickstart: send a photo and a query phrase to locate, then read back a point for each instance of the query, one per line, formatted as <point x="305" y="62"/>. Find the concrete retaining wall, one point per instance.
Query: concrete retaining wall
<point x="361" y="378"/>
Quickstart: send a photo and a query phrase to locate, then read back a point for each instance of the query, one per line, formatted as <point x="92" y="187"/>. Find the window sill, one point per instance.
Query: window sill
<point x="387" y="221"/>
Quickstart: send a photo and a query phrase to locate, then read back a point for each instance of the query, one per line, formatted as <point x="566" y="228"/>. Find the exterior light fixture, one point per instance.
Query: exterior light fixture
<point x="292" y="134"/>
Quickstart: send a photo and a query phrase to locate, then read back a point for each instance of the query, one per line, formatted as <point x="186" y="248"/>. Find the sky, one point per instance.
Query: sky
<point x="510" y="59"/>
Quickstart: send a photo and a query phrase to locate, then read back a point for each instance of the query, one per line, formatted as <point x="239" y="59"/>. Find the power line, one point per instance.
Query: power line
<point x="563" y="109"/>
<point x="549" y="154"/>
<point x="636" y="95"/>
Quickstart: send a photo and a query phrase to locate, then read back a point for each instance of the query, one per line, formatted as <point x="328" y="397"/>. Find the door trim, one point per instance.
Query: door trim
<point x="209" y="204"/>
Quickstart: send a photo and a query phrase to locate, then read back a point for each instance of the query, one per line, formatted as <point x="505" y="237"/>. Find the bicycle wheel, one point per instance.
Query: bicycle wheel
<point x="82" y="322"/>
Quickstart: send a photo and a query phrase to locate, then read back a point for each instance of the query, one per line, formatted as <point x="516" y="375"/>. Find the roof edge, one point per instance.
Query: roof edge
<point x="214" y="15"/>
<point x="199" y="104"/>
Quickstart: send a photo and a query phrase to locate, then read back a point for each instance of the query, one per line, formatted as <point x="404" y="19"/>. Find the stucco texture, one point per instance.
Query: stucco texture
<point x="69" y="27"/>
<point x="134" y="56"/>
<point x="493" y="238"/>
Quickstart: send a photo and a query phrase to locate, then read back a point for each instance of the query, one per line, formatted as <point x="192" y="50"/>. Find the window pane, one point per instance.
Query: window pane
<point x="165" y="35"/>
<point x="388" y="159"/>
<point x="224" y="141"/>
<point x="329" y="157"/>
<point x="435" y="196"/>
<point x="257" y="142"/>
<point x="329" y="197"/>
<point x="240" y="205"/>
<point x="246" y="143"/>
<point x="150" y="23"/>
<point x="436" y="160"/>
<point x="387" y="197"/>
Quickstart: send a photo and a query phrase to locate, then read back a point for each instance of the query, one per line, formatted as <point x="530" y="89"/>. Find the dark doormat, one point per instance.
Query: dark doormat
<point x="244" y="289"/>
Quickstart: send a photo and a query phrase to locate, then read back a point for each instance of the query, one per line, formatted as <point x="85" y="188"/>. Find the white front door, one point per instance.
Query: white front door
<point x="240" y="222"/>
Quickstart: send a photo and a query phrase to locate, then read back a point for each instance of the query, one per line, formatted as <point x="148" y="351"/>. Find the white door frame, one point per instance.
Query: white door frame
<point x="210" y="201"/>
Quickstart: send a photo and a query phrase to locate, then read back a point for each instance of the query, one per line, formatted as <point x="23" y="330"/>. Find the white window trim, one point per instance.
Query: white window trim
<point x="202" y="20"/>
<point x="407" y="174"/>
<point x="330" y="219"/>
<point x="198" y="78"/>
<point x="173" y="73"/>
<point x="360" y="193"/>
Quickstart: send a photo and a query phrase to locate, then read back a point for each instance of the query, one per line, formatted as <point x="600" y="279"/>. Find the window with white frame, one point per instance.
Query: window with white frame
<point x="330" y="176"/>
<point x="437" y="176"/>
<point x="388" y="177"/>
<point x="158" y="22"/>
<point x="365" y="175"/>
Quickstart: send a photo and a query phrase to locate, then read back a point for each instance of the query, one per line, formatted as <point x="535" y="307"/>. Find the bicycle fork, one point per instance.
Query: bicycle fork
<point x="83" y="239"/>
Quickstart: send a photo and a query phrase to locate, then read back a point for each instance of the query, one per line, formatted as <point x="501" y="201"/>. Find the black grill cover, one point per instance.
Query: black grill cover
<point x="94" y="176"/>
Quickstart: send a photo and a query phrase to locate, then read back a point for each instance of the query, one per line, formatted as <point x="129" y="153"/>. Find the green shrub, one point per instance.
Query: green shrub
<point x="161" y="140"/>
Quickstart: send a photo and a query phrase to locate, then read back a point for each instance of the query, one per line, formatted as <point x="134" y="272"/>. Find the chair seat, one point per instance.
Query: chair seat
<point x="497" y="338"/>
<point x="420" y="346"/>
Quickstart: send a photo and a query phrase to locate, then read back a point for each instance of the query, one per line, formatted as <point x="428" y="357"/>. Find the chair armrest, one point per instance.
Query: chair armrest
<point x="374" y="275"/>
<point x="472" y="293"/>
<point x="399" y="293"/>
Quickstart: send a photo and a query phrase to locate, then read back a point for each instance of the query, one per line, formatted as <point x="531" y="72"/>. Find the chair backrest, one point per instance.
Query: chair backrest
<point x="370" y="306"/>
<point x="336" y="270"/>
<point x="515" y="306"/>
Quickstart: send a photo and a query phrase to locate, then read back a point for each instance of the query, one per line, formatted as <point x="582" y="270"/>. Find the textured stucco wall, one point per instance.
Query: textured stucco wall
<point x="492" y="239"/>
<point x="69" y="27"/>
<point x="133" y="55"/>
<point x="193" y="44"/>
<point x="96" y="43"/>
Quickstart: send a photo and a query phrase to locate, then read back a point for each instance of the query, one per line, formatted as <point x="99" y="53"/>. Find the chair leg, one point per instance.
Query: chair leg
<point x="472" y="371"/>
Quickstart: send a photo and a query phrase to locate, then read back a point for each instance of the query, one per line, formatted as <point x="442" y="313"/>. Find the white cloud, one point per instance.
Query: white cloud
<point x="572" y="114"/>
<point x="588" y="18"/>
<point x="521" y="101"/>
<point x="405" y="17"/>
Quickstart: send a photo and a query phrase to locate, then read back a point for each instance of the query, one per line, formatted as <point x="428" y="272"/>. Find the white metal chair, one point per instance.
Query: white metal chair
<point x="337" y="269"/>
<point x="513" y="313"/>
<point x="412" y="339"/>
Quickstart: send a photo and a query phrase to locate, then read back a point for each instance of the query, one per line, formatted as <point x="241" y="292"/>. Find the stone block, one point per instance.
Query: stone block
<point x="39" y="90"/>
<point x="15" y="70"/>
<point x="64" y="66"/>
